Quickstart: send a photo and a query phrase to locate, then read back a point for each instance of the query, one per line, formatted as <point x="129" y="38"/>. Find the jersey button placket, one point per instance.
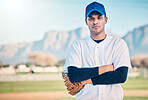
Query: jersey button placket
<point x="96" y="55"/>
<point x="99" y="62"/>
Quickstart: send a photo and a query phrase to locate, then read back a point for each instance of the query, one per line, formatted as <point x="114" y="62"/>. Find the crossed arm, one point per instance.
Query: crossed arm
<point x="98" y="75"/>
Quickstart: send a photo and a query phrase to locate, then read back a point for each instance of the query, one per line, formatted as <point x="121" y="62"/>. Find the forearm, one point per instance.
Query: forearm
<point x="80" y="74"/>
<point x="112" y="77"/>
<point x="105" y="68"/>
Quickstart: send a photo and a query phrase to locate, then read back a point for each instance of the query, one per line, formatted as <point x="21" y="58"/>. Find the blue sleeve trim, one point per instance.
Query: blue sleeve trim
<point x="112" y="77"/>
<point x="80" y="74"/>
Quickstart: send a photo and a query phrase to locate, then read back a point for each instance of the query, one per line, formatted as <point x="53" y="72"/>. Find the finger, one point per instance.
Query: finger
<point x="67" y="83"/>
<point x="66" y="80"/>
<point x="69" y="88"/>
<point x="73" y="91"/>
<point x="65" y="77"/>
<point x="76" y="84"/>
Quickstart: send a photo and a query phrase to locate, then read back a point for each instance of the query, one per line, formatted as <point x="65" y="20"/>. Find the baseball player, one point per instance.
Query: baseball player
<point x="100" y="62"/>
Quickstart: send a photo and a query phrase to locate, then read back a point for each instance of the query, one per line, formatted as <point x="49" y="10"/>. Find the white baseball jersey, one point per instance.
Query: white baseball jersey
<point x="87" y="53"/>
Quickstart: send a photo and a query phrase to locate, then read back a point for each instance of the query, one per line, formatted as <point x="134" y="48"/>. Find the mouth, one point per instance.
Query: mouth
<point x="96" y="27"/>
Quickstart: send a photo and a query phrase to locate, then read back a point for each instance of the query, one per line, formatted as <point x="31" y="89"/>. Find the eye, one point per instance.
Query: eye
<point x="90" y="18"/>
<point x="100" y="17"/>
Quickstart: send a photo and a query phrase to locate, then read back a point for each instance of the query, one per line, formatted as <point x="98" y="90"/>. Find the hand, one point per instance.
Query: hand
<point x="72" y="87"/>
<point x="105" y="68"/>
<point x="86" y="82"/>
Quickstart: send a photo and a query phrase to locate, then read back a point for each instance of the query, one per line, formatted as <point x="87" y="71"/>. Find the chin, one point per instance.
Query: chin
<point x="97" y="32"/>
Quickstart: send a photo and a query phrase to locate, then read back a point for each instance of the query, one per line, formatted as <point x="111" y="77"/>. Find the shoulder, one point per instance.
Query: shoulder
<point x="117" y="40"/>
<point x="79" y="42"/>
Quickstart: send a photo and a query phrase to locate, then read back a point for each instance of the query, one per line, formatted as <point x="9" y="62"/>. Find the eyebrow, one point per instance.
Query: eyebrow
<point x="92" y="16"/>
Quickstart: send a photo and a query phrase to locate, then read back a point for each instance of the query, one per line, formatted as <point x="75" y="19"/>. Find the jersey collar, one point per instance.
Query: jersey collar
<point x="101" y="44"/>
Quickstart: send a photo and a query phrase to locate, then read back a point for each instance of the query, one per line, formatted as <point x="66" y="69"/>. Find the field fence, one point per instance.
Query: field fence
<point x="30" y="77"/>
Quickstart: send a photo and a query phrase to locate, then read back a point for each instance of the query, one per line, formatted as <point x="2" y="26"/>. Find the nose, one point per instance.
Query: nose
<point x="96" y="21"/>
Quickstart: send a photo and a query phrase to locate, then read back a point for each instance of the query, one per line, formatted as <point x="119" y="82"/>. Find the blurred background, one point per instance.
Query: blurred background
<point x="35" y="36"/>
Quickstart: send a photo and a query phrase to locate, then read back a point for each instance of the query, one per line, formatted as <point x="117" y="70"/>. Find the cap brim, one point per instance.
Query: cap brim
<point x="94" y="10"/>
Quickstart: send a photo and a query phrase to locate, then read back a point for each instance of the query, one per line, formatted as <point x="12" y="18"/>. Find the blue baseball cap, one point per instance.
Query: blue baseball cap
<point x="95" y="6"/>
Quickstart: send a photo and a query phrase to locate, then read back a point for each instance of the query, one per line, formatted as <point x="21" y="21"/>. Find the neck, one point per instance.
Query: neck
<point x="98" y="36"/>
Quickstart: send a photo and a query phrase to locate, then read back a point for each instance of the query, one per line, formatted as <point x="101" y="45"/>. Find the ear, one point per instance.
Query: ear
<point x="86" y="21"/>
<point x="106" y="18"/>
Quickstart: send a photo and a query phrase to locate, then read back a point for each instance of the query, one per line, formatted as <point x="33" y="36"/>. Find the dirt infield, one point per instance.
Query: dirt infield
<point x="137" y="93"/>
<point x="55" y="95"/>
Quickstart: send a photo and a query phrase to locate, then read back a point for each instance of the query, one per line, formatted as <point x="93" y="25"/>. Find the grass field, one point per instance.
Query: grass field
<point x="32" y="86"/>
<point x="131" y="84"/>
<point x="9" y="87"/>
<point x="136" y="84"/>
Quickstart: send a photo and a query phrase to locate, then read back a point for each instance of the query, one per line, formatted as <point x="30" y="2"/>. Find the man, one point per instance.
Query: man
<point x="100" y="62"/>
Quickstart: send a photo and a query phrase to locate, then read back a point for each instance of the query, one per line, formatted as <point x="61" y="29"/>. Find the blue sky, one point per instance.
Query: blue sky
<point x="29" y="20"/>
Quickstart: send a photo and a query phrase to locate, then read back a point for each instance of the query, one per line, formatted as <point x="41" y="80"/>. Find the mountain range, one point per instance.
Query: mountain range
<point x="137" y="40"/>
<point x="58" y="43"/>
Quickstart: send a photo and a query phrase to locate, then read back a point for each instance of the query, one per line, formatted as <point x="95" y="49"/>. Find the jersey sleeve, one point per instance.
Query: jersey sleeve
<point x="121" y="56"/>
<point x="73" y="57"/>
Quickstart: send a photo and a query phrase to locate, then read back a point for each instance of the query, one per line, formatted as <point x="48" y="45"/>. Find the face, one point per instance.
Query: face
<point x="96" y="23"/>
